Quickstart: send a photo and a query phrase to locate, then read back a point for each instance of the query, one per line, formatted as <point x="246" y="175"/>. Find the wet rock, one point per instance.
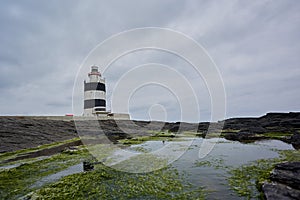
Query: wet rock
<point x="287" y="173"/>
<point x="87" y="166"/>
<point x="285" y="182"/>
<point x="276" y="191"/>
<point x="242" y="136"/>
<point x="295" y="140"/>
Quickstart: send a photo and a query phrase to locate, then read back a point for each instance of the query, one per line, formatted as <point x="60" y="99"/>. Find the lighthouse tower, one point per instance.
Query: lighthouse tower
<point x="94" y="94"/>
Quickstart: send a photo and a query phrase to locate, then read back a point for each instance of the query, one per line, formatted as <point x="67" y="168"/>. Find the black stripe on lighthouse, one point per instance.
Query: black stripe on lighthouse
<point x="94" y="86"/>
<point x="91" y="103"/>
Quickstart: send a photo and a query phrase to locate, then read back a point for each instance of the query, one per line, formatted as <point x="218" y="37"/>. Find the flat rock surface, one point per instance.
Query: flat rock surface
<point x="20" y="132"/>
<point x="25" y="132"/>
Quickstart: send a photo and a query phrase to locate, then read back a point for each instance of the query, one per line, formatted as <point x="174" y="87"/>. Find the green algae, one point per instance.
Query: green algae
<point x="159" y="136"/>
<point x="191" y="134"/>
<point x="16" y="182"/>
<point x="14" y="154"/>
<point x="142" y="139"/>
<point x="107" y="183"/>
<point x="277" y="135"/>
<point x="142" y="163"/>
<point x="140" y="149"/>
<point x="164" y="134"/>
<point x="216" y="163"/>
<point x="214" y="135"/>
<point x="101" y="151"/>
<point x="246" y="180"/>
<point x="230" y="130"/>
<point x="136" y="140"/>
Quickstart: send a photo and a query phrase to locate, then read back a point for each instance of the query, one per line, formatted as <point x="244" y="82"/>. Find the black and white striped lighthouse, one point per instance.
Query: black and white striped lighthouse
<point x="94" y="94"/>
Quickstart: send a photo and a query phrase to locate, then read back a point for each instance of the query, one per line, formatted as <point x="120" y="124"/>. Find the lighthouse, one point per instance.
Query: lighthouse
<point x="94" y="94"/>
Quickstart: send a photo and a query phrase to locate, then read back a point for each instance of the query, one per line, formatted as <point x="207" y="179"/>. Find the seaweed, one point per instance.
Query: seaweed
<point x="107" y="183"/>
<point x="247" y="180"/>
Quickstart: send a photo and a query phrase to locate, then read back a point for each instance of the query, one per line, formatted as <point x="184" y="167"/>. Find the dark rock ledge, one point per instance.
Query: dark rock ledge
<point x="21" y="132"/>
<point x="285" y="182"/>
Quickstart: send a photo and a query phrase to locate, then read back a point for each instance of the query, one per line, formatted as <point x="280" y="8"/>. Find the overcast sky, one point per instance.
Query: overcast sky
<point x="255" y="45"/>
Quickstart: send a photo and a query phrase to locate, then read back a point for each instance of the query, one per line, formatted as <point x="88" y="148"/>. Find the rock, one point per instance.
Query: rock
<point x="251" y="129"/>
<point x="242" y="136"/>
<point x="26" y="132"/>
<point x="285" y="182"/>
<point x="295" y="140"/>
<point x="20" y="132"/>
<point x="287" y="173"/>
<point x="276" y="191"/>
<point x="254" y="129"/>
<point x="87" y="166"/>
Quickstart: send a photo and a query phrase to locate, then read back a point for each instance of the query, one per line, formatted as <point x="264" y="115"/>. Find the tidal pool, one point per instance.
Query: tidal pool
<point x="211" y="172"/>
<point x="55" y="177"/>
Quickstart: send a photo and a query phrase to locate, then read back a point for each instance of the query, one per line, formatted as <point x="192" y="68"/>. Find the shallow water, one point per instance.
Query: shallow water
<point x="55" y="177"/>
<point x="10" y="166"/>
<point x="226" y="154"/>
<point x="18" y="163"/>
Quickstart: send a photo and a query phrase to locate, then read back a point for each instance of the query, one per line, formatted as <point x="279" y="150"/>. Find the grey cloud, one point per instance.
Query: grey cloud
<point x="255" y="45"/>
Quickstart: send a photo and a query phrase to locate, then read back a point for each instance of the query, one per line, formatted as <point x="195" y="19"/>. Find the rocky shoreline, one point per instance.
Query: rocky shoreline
<point x="266" y="127"/>
<point x="17" y="132"/>
<point x="26" y="132"/>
